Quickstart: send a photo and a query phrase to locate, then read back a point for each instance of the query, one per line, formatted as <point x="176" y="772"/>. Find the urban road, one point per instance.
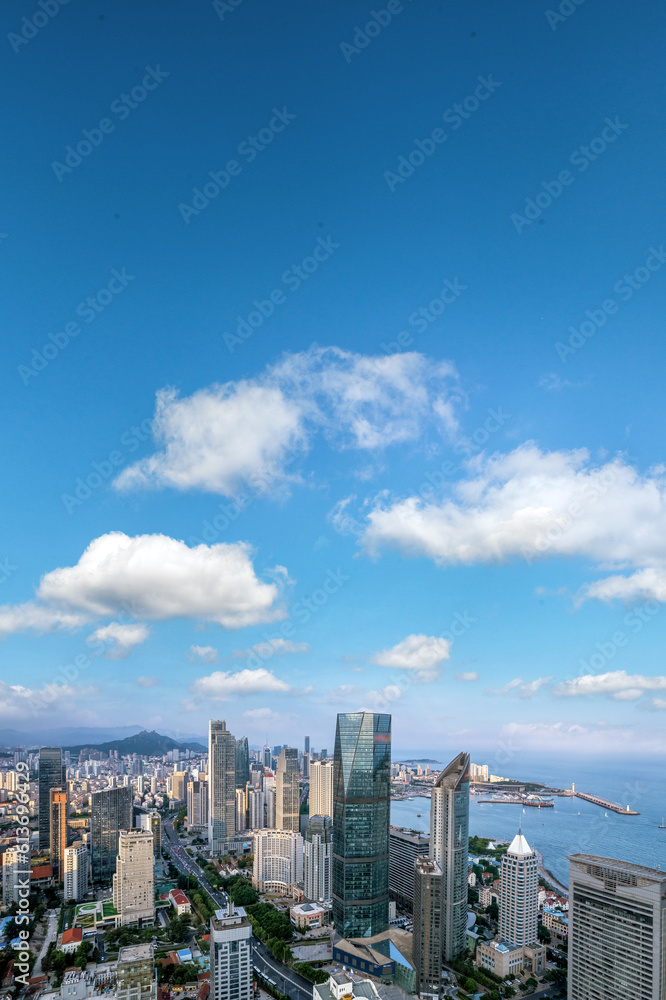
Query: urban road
<point x="286" y="980"/>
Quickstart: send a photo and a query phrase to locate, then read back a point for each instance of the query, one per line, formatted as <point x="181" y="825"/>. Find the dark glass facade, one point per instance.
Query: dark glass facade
<point x="111" y="813"/>
<point x="52" y="774"/>
<point x="361" y="821"/>
<point x="242" y="762"/>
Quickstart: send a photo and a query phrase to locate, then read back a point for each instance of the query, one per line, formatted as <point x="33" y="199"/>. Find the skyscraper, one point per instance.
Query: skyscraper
<point x="617" y="930"/>
<point x="242" y="762"/>
<point x="519" y="894"/>
<point x="230" y="955"/>
<point x="287" y="790"/>
<point x="306" y="745"/>
<point x="133" y="895"/>
<point x="15" y="874"/>
<point x="255" y="809"/>
<point x="197" y="805"/>
<point x="111" y="813"/>
<point x="52" y="774"/>
<point x="58" y="831"/>
<point x="320" y="796"/>
<point x="76" y="867"/>
<point x="221" y="786"/>
<point x="361" y="820"/>
<point x="449" y="833"/>
<point x="428" y="940"/>
<point x="405" y="846"/>
<point x="318" y="858"/>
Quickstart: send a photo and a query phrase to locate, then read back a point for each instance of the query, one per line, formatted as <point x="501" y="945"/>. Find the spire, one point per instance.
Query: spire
<point x="519" y="845"/>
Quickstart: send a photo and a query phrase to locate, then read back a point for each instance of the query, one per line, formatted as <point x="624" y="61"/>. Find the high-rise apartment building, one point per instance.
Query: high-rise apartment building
<point x="428" y="939"/>
<point x="320" y="796"/>
<point x="135" y="973"/>
<point x="318" y="858"/>
<point x="58" y="831"/>
<point x="361" y="820"/>
<point x="152" y="822"/>
<point x="111" y="813"/>
<point x="52" y="774"/>
<point x="617" y="930"/>
<point x="405" y="846"/>
<point x="449" y="842"/>
<point x="179" y="785"/>
<point x="133" y="882"/>
<point x="76" y="866"/>
<point x="230" y="955"/>
<point x="278" y="860"/>
<point x="271" y="809"/>
<point x="241" y="808"/>
<point x="519" y="894"/>
<point x="242" y="762"/>
<point x="197" y="806"/>
<point x="287" y="790"/>
<point x="15" y="874"/>
<point x="478" y="772"/>
<point x="255" y="808"/>
<point x="221" y="786"/>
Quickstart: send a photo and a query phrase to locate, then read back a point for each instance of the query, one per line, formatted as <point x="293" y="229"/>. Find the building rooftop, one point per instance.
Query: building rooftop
<point x="619" y="867"/>
<point x="73" y="936"/>
<point x="519" y="846"/>
<point x="135" y="953"/>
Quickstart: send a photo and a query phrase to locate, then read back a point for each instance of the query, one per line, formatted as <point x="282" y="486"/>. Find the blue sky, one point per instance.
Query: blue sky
<point x="445" y="425"/>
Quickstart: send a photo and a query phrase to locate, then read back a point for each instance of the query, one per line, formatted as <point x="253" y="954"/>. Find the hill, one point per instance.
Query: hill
<point x="147" y="744"/>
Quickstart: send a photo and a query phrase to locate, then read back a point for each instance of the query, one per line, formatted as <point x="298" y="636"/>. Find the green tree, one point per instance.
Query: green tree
<point x="544" y="933"/>
<point x="470" y="985"/>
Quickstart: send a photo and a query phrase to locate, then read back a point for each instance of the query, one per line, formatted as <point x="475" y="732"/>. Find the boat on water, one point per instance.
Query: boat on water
<point x="605" y="815"/>
<point x="418" y="815"/>
<point x="662" y="825"/>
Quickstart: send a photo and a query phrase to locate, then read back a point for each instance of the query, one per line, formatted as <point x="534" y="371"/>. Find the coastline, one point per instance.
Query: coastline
<point x="548" y="876"/>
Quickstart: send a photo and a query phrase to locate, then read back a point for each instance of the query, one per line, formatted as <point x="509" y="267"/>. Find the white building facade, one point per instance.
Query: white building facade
<point x="278" y="860"/>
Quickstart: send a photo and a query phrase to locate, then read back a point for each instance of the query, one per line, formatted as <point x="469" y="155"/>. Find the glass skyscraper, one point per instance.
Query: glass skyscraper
<point x="52" y="774"/>
<point x="242" y="762"/>
<point x="111" y="813"/>
<point x="449" y="843"/>
<point x="221" y="786"/>
<point x="361" y="821"/>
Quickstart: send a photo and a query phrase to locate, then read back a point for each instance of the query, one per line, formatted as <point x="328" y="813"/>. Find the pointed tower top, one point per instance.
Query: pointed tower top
<point x="519" y="845"/>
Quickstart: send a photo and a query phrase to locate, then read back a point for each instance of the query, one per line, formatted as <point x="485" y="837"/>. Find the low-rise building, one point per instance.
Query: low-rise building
<point x="505" y="959"/>
<point x="307" y="915"/>
<point x="70" y="940"/>
<point x="340" y="986"/>
<point x="180" y="902"/>
<point x="557" y="923"/>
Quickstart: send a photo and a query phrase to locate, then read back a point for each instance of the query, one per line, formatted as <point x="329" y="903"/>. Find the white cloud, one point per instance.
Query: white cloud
<point x="520" y="688"/>
<point x="151" y="577"/>
<point x="147" y="682"/>
<point x="617" y="684"/>
<point x="272" y="647"/>
<point x="382" y="699"/>
<point x="535" y="504"/>
<point x="220" y="685"/>
<point x="18" y="702"/>
<point x="120" y="639"/>
<point x="467" y="676"/>
<point x="420" y="653"/>
<point x="363" y="700"/>
<point x="517" y="737"/>
<point x="202" y="654"/>
<point x="226" y="438"/>
<point x="261" y="715"/>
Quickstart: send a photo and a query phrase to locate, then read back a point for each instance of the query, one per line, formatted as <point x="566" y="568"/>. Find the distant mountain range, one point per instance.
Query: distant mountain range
<point x="124" y="739"/>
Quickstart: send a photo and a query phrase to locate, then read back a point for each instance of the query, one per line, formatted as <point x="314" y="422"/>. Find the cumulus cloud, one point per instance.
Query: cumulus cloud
<point x="260" y="715"/>
<point x="467" y="676"/>
<point x="362" y="699"/>
<point x="18" y="702"/>
<point x="617" y="684"/>
<point x="520" y="688"/>
<point x="220" y="685"/>
<point x="151" y="577"/>
<point x="202" y="654"/>
<point x="272" y="647"/>
<point x="535" y="504"/>
<point x="119" y="639"/>
<point x="245" y="434"/>
<point x="575" y="739"/>
<point x="422" y="654"/>
<point x="147" y="682"/>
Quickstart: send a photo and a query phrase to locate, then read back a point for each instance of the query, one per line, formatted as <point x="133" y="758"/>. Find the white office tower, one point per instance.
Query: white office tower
<point x="278" y="860"/>
<point x="221" y="786"/>
<point x="617" y="930"/>
<point x="449" y="843"/>
<point x="15" y="874"/>
<point x="197" y="805"/>
<point x="76" y="866"/>
<point x="318" y="859"/>
<point x="255" y="808"/>
<point x="519" y="894"/>
<point x="133" y="895"/>
<point x="321" y="788"/>
<point x="241" y="809"/>
<point x="230" y="955"/>
<point x="287" y="791"/>
<point x="270" y="798"/>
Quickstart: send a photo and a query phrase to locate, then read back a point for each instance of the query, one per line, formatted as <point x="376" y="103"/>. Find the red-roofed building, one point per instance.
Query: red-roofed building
<point x="70" y="940"/>
<point x="41" y="875"/>
<point x="204" y="990"/>
<point x="180" y="901"/>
